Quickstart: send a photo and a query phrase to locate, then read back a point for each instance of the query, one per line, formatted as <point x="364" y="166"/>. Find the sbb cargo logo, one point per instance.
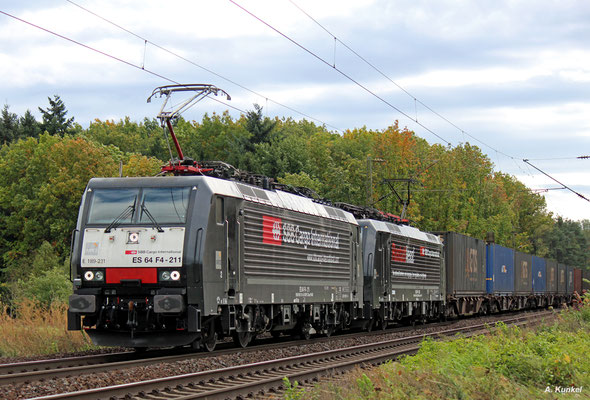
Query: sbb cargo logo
<point x="424" y="252"/>
<point x="272" y="229"/>
<point x="398" y="253"/>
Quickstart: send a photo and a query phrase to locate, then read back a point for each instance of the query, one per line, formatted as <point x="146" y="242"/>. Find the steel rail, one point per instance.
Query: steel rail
<point x="72" y="366"/>
<point x="261" y="377"/>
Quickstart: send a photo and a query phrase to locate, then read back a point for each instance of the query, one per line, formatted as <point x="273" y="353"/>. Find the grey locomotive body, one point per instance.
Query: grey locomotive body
<point x="185" y="260"/>
<point x="403" y="273"/>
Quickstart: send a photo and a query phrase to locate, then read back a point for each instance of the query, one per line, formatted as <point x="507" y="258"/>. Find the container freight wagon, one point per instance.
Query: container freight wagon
<point x="540" y="282"/>
<point x="578" y="280"/>
<point x="523" y="278"/>
<point x="570" y="280"/>
<point x="499" y="270"/>
<point x="499" y="276"/>
<point x="539" y="275"/>
<point x="465" y="270"/>
<point x="552" y="276"/>
<point x="403" y="273"/>
<point x="561" y="279"/>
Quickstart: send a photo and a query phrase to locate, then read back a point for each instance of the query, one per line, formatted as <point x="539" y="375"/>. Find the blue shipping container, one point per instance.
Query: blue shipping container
<point x="539" y="275"/>
<point x="499" y="269"/>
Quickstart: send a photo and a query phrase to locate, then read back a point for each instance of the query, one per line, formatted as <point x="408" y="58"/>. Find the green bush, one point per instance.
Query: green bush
<point x="47" y="287"/>
<point x="507" y="363"/>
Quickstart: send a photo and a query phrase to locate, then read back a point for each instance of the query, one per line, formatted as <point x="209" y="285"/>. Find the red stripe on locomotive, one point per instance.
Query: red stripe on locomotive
<point x="146" y="275"/>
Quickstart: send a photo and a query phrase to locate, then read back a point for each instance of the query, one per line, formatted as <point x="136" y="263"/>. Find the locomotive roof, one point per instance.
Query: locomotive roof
<point x="275" y="198"/>
<point x="400" y="230"/>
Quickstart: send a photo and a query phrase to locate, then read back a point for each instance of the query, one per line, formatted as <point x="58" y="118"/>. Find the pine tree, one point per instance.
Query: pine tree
<point x="260" y="127"/>
<point x="28" y="126"/>
<point x="54" y="117"/>
<point x="8" y="125"/>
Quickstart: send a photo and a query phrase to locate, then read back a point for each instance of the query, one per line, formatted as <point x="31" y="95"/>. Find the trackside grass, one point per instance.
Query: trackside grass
<point x="551" y="361"/>
<point x="32" y="330"/>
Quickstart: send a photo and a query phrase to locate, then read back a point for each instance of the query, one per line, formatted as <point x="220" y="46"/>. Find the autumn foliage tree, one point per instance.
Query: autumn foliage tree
<point x="42" y="178"/>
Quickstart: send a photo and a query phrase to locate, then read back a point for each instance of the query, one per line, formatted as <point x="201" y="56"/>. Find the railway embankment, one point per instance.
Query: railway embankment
<point x="547" y="361"/>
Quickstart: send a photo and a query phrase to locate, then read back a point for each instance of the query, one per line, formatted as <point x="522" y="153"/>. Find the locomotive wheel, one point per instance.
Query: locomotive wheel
<point x="242" y="338"/>
<point x="306" y="331"/>
<point x="329" y="330"/>
<point x="210" y="342"/>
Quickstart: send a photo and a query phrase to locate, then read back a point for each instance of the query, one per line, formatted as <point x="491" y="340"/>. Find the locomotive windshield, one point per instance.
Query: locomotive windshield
<point x="167" y="205"/>
<point x="109" y="204"/>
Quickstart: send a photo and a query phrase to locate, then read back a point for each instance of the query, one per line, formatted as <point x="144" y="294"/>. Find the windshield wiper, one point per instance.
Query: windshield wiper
<point x="151" y="217"/>
<point x="126" y="212"/>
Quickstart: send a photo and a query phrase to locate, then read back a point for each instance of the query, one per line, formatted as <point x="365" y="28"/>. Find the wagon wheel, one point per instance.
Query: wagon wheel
<point x="210" y="341"/>
<point x="242" y="338"/>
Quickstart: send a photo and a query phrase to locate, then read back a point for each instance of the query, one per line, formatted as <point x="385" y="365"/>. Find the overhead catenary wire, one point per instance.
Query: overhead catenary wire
<point x="559" y="158"/>
<point x="139" y="67"/>
<point x="555" y="180"/>
<point x="378" y="70"/>
<point x="416" y="100"/>
<point x="147" y="41"/>
<point x="344" y="74"/>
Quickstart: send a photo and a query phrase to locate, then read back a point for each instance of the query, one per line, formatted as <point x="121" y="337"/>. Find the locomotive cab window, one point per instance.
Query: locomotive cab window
<point x="110" y="204"/>
<point x="219" y="210"/>
<point x="166" y="205"/>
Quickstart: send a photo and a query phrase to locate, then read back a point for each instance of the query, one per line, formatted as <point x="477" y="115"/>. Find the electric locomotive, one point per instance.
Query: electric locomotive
<point x="172" y="261"/>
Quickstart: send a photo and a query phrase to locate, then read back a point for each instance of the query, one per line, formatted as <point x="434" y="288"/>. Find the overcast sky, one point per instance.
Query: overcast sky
<point x="514" y="75"/>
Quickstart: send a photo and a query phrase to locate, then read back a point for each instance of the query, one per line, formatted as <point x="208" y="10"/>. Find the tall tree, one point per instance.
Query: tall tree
<point x="260" y="127"/>
<point x="28" y="126"/>
<point x="567" y="243"/>
<point x="54" y="117"/>
<point x="8" y="125"/>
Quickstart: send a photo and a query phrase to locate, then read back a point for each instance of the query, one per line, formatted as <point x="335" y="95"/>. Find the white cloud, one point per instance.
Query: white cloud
<point x="514" y="74"/>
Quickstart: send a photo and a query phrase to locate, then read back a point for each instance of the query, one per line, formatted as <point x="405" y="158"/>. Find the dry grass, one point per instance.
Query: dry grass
<point x="32" y="330"/>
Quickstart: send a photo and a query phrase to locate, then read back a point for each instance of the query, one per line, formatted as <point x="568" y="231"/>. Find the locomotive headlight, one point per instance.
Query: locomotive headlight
<point x="88" y="275"/>
<point x="175" y="275"/>
<point x="165" y="276"/>
<point x="99" y="275"/>
<point x="133" y="238"/>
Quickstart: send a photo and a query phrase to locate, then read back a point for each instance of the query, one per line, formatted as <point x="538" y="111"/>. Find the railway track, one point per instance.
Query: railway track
<point x="267" y="376"/>
<point x="73" y="366"/>
<point x="29" y="371"/>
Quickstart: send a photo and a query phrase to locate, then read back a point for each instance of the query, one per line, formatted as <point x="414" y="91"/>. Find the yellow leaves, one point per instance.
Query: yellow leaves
<point x="566" y="359"/>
